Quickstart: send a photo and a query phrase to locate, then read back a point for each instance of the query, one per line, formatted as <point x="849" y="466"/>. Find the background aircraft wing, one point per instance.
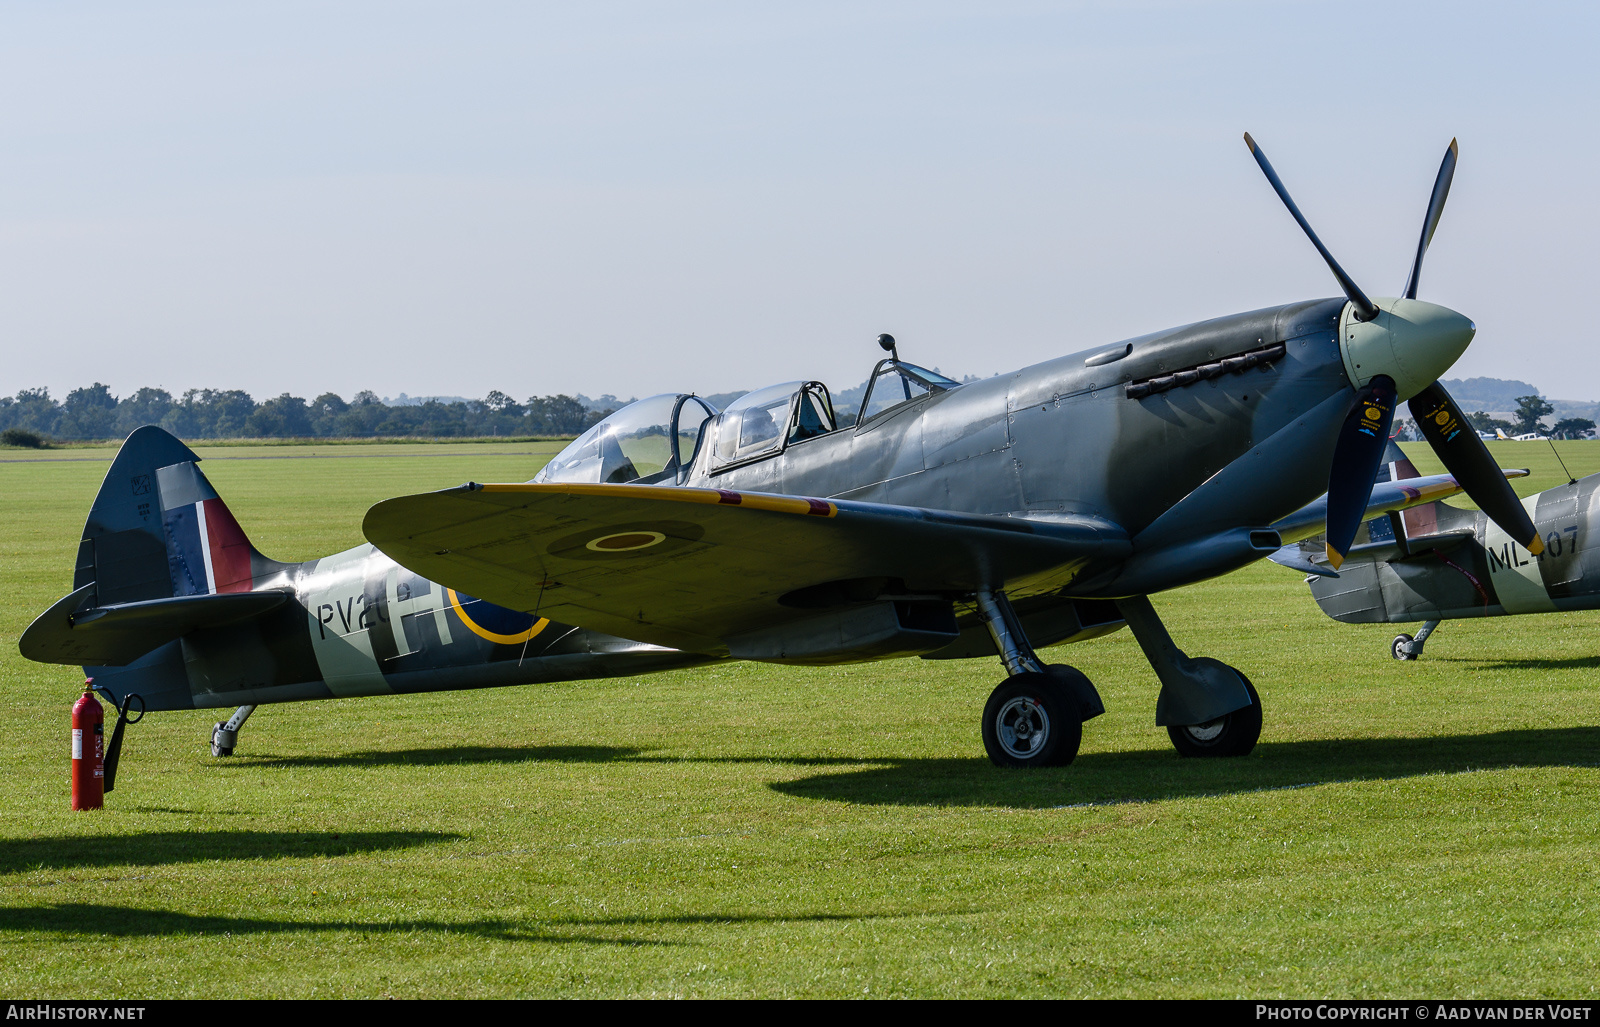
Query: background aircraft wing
<point x="1387" y="496"/>
<point x="1308" y="522"/>
<point x="690" y="567"/>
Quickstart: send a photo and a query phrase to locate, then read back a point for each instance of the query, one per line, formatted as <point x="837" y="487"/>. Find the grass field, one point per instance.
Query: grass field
<point x="1403" y="829"/>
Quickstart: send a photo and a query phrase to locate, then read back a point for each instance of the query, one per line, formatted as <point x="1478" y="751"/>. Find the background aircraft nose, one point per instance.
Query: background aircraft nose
<point x="1411" y="341"/>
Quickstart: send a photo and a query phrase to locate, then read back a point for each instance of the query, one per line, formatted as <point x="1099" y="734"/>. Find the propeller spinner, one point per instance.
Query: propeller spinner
<point x="1396" y="349"/>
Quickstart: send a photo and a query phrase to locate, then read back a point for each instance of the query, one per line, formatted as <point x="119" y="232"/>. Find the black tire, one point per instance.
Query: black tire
<point x="1232" y="734"/>
<point x="1396" y="648"/>
<point x="216" y="749"/>
<point x="1031" y="720"/>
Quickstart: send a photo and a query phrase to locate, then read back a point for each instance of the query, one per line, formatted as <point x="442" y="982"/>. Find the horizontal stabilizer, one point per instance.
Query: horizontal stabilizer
<point x="76" y="631"/>
<point x="692" y="568"/>
<point x="1296" y="558"/>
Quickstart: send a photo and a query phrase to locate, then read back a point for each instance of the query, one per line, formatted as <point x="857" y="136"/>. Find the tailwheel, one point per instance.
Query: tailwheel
<point x="1232" y="734"/>
<point x="225" y="736"/>
<point x="1400" y="648"/>
<point x="1032" y="720"/>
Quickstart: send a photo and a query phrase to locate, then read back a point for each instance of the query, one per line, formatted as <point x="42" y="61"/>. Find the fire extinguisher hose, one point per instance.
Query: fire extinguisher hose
<point x="114" y="750"/>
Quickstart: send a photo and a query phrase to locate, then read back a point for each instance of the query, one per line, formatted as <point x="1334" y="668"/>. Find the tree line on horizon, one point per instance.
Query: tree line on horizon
<point x="1527" y="418"/>
<point x="94" y="413"/>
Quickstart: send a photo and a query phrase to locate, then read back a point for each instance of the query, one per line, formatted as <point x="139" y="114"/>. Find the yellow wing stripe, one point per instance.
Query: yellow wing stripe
<point x="713" y="497"/>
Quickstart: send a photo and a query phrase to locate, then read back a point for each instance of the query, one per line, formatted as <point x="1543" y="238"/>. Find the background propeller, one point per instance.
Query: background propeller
<point x="1359" y="451"/>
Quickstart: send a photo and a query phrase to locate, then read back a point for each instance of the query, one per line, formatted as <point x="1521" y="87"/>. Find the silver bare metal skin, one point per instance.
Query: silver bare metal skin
<point x="1061" y="440"/>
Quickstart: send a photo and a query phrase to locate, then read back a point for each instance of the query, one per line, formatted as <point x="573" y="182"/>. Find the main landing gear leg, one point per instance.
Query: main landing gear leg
<point x="1207" y="707"/>
<point x="225" y="736"/>
<point x="1404" y="647"/>
<point x="1035" y="717"/>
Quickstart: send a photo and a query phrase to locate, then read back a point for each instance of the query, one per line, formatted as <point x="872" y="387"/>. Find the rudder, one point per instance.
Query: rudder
<point x="158" y="529"/>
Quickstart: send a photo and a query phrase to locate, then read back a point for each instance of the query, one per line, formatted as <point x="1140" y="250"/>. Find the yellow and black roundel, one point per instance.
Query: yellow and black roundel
<point x="496" y="623"/>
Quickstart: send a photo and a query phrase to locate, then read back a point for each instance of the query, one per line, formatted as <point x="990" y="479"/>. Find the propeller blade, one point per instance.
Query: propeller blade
<point x="1356" y="460"/>
<point x="1466" y="457"/>
<point x="1430" y="224"/>
<point x="1366" y="310"/>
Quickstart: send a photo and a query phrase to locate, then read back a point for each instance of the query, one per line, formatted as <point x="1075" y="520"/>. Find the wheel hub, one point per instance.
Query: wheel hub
<point x="1022" y="726"/>
<point x="1208" y="731"/>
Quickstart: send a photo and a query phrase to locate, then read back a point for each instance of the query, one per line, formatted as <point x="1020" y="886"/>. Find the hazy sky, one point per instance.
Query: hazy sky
<point x="633" y="198"/>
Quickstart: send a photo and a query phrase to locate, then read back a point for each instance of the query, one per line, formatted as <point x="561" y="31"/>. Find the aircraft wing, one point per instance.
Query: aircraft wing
<point x="691" y="567"/>
<point x="1387" y="497"/>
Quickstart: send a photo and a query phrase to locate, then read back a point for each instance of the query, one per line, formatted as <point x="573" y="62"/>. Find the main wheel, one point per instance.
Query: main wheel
<point x="1232" y="734"/>
<point x="1031" y="720"/>
<point x="1398" y="648"/>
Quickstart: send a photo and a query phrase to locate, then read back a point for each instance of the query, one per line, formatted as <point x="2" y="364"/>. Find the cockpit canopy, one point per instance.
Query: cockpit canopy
<point x="895" y="382"/>
<point x="656" y="439"/>
<point x="762" y="422"/>
<point x="652" y="440"/>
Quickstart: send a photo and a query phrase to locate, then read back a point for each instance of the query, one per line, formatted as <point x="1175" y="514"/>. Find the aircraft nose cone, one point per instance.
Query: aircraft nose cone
<point x="1412" y="341"/>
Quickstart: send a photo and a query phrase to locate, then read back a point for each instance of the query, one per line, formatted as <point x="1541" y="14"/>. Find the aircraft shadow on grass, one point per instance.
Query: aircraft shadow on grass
<point x="461" y="755"/>
<point x="1130" y="777"/>
<point x="1094" y="778"/>
<point x="132" y="922"/>
<point x="470" y="754"/>
<point x="1574" y="663"/>
<point x="712" y="919"/>
<point x="158" y="848"/>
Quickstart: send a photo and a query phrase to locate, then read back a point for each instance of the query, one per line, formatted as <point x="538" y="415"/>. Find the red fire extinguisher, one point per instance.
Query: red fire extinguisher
<point x="88" y="751"/>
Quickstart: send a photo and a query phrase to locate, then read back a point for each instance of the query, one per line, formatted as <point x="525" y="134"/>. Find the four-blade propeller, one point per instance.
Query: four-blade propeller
<point x="1359" y="451"/>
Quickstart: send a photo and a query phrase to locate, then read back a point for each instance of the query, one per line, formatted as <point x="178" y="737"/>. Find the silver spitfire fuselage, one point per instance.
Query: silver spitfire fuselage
<point x="1171" y="437"/>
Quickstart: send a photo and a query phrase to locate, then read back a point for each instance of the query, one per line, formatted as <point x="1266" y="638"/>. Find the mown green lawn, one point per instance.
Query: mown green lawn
<point x="1403" y="829"/>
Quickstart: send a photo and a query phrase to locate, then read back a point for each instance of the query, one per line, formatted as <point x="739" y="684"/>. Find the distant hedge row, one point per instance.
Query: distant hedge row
<point x="94" y="413"/>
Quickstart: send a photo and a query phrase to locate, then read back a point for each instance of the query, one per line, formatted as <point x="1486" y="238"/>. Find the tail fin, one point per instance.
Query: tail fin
<point x="158" y="529"/>
<point x="1419" y="521"/>
<point x="161" y="556"/>
<point x="1499" y="433"/>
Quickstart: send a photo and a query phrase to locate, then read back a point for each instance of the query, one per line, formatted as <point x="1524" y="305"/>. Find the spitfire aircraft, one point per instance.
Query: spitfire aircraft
<point x="993" y="517"/>
<point x="941" y="519"/>
<point x="1436" y="562"/>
